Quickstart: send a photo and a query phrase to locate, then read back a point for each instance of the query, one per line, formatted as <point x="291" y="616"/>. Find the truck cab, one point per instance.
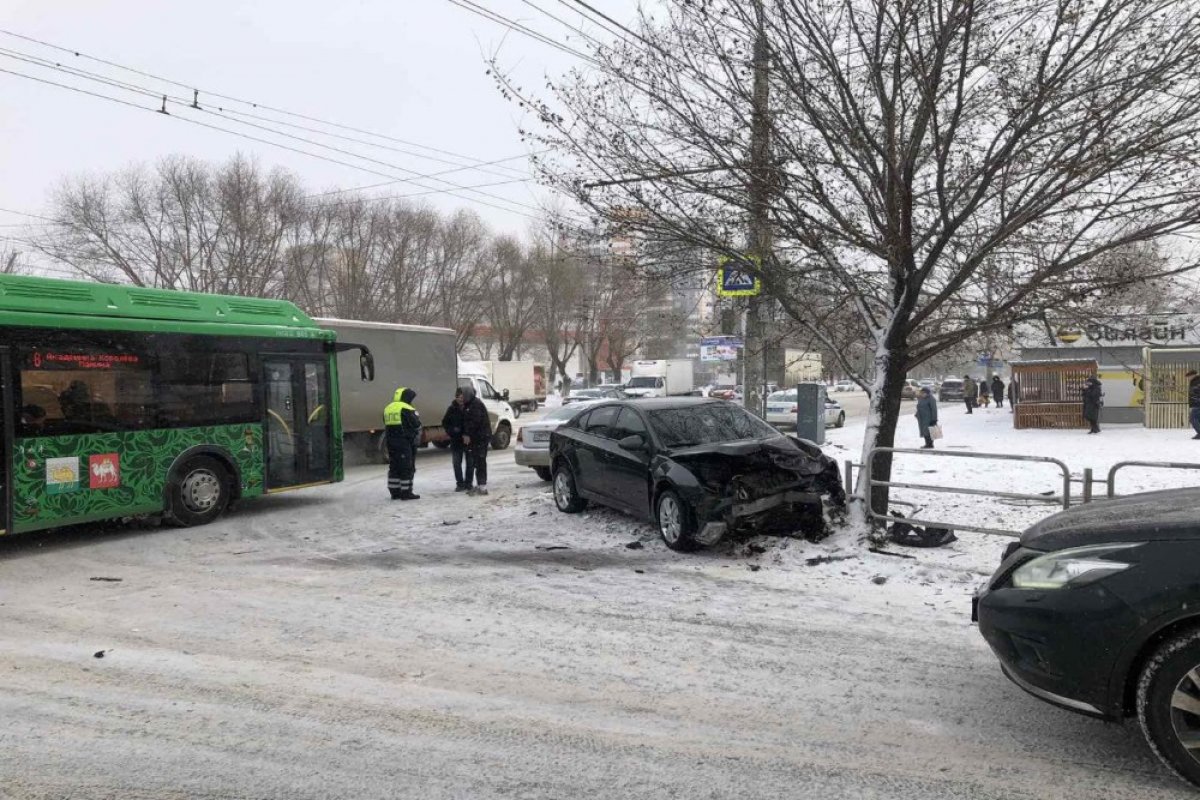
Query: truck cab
<point x="499" y="411"/>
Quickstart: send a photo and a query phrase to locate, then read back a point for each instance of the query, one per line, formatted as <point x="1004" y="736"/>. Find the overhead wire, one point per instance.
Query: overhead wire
<point x="194" y="106"/>
<point x="232" y="99"/>
<point x="283" y="146"/>
<point x="500" y="19"/>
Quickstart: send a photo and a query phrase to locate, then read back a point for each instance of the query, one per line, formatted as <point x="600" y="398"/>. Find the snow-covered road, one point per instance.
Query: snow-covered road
<point x="333" y="644"/>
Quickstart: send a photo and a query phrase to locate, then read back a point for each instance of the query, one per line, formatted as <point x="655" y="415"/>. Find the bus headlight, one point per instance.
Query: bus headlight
<point x="1073" y="567"/>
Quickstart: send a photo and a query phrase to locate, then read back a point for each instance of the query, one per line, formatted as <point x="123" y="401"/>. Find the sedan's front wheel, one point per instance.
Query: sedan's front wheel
<point x="675" y="524"/>
<point x="1168" y="704"/>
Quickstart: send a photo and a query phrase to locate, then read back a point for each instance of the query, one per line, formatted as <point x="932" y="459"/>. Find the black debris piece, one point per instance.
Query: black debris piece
<point x="640" y="571"/>
<point x="108" y="580"/>
<point x="550" y="547"/>
<point x="100" y="653"/>
<point x="812" y="562"/>
<point x="879" y="580"/>
<point x="754" y="567"/>
<point x="635" y="546"/>
<point x="881" y="552"/>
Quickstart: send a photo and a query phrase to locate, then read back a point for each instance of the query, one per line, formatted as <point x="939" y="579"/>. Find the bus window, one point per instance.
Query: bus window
<point x="84" y="390"/>
<point x="205" y="389"/>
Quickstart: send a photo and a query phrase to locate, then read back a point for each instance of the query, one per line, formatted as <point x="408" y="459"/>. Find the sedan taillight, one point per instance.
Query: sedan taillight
<point x="795" y="409"/>
<point x="520" y="435"/>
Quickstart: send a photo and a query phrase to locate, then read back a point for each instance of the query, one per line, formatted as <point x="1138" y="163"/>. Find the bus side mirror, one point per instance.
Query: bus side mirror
<point x="366" y="365"/>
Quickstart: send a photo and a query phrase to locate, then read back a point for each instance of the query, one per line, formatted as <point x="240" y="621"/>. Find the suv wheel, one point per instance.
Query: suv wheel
<point x="566" y="496"/>
<point x="675" y="523"/>
<point x="1168" y="704"/>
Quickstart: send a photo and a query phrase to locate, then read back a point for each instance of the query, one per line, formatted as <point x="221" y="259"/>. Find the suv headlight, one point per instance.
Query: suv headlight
<point x="1074" y="567"/>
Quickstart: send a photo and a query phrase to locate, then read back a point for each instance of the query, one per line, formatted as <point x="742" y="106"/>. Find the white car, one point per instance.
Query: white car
<point x="533" y="439"/>
<point x="845" y="386"/>
<point x="781" y="410"/>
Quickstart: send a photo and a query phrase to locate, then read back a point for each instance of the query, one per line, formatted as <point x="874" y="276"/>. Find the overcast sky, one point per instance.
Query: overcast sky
<point x="409" y="69"/>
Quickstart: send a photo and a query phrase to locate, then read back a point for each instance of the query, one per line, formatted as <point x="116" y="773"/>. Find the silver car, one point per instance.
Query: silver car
<point x="533" y="439"/>
<point x="781" y="410"/>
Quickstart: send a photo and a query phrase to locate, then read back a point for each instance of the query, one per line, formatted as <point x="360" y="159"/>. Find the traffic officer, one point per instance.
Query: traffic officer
<point x="403" y="426"/>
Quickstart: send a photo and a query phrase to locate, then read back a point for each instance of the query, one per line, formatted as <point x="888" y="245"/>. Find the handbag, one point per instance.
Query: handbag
<point x="935" y="432"/>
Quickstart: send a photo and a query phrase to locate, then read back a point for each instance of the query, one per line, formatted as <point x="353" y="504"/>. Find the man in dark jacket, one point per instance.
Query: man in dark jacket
<point x="1092" y="400"/>
<point x="477" y="438"/>
<point x="926" y="416"/>
<point x="1014" y="389"/>
<point x="403" y="426"/>
<point x="998" y="391"/>
<point x="452" y="422"/>
<point x="970" y="393"/>
<point x="1194" y="401"/>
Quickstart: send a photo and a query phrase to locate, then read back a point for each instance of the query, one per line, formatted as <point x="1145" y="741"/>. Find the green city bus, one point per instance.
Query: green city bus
<point x="120" y="401"/>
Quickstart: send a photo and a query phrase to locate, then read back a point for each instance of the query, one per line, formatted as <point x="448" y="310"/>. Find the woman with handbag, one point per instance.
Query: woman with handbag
<point x="927" y="418"/>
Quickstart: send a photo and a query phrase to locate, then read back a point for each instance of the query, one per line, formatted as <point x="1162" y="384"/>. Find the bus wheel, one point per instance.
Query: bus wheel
<point x="199" y="491"/>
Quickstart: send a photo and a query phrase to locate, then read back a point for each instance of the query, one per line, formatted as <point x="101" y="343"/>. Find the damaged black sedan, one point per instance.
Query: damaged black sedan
<point x="698" y="468"/>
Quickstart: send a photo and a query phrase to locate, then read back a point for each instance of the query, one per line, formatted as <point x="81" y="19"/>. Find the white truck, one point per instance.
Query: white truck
<point x="514" y="380"/>
<point x="416" y="356"/>
<point x="670" y="377"/>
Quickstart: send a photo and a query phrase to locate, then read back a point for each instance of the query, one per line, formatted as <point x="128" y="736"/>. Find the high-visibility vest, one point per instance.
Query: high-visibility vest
<point x="393" y="412"/>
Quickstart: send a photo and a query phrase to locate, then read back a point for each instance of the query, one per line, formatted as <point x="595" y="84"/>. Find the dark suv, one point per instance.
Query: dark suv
<point x="1097" y="610"/>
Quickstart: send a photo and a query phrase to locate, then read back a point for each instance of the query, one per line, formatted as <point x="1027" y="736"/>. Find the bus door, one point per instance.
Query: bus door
<point x="299" y="430"/>
<point x="7" y="426"/>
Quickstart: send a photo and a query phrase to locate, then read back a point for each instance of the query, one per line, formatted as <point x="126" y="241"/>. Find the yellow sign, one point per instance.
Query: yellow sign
<point x="738" y="277"/>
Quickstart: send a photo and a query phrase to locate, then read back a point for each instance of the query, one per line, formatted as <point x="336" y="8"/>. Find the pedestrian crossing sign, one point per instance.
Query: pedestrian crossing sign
<point x="738" y="276"/>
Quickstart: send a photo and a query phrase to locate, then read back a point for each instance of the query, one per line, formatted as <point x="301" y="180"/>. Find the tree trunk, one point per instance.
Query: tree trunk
<point x="891" y="368"/>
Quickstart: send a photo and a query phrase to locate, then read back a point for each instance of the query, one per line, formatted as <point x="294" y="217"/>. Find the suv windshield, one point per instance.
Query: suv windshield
<point x="710" y="423"/>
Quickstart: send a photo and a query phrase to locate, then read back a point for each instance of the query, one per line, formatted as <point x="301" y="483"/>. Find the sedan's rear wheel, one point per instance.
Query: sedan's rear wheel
<point x="566" y="496"/>
<point x="1168" y="704"/>
<point x="675" y="524"/>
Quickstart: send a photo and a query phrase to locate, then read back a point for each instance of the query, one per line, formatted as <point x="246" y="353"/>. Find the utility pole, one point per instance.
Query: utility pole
<point x="754" y="351"/>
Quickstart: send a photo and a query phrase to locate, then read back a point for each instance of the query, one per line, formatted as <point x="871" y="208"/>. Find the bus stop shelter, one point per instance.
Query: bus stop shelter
<point x="1166" y="385"/>
<point x="1050" y="393"/>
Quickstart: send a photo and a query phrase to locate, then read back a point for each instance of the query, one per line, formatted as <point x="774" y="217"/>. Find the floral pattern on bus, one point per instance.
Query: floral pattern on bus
<point x="144" y="457"/>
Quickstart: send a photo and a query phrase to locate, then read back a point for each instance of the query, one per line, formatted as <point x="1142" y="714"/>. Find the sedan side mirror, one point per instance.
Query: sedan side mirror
<point x="632" y="443"/>
<point x="505" y="395"/>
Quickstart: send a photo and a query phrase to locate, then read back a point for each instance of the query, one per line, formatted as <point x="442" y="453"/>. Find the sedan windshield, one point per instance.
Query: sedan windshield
<point x="711" y="423"/>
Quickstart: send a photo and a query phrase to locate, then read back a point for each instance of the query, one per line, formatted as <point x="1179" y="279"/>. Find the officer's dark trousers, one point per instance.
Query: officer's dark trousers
<point x="402" y="465"/>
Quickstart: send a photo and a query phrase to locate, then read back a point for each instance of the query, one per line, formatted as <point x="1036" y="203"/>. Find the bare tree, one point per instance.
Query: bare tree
<point x="512" y="296"/>
<point x="558" y="275"/>
<point x="920" y="152"/>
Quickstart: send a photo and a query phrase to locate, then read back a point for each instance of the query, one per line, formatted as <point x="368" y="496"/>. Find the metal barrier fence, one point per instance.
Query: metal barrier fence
<point x="1064" y="498"/>
<point x="1112" y="473"/>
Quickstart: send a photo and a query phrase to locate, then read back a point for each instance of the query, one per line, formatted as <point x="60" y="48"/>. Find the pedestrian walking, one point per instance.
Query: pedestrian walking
<point x="998" y="391"/>
<point x="452" y="423"/>
<point x="1194" y="401"/>
<point x="1014" y="389"/>
<point x="477" y="438"/>
<point x="970" y="393"/>
<point x="1093" y="399"/>
<point x="403" y="426"/>
<point x="927" y="417"/>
